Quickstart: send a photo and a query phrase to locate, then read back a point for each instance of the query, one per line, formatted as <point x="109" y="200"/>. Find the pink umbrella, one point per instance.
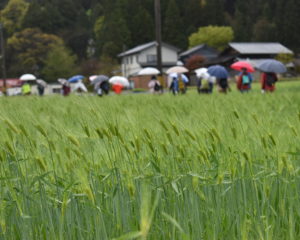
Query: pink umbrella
<point x="239" y="66"/>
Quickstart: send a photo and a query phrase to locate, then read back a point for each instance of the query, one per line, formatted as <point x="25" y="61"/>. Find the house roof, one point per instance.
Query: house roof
<point x="260" y="48"/>
<point x="145" y="46"/>
<point x="191" y="50"/>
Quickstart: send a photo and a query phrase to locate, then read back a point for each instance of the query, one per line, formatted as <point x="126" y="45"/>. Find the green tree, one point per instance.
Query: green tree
<point x="114" y="33"/>
<point x="285" y="58"/>
<point x="213" y="12"/>
<point x="142" y="27"/>
<point x="192" y="15"/>
<point x="29" y="49"/>
<point x="60" y="63"/>
<point x="98" y="27"/>
<point x="213" y="36"/>
<point x="173" y="30"/>
<point x="13" y="14"/>
<point x="263" y="31"/>
<point x="289" y="27"/>
<point x="43" y="16"/>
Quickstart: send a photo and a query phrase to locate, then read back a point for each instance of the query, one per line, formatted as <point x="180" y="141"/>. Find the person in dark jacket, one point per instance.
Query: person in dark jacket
<point x="223" y="85"/>
<point x="268" y="81"/>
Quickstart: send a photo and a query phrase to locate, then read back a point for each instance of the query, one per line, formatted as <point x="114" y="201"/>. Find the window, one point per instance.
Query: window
<point x="151" y="58"/>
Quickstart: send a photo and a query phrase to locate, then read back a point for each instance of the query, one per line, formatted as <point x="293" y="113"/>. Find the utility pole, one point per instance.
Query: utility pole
<point x="3" y="58"/>
<point x="158" y="35"/>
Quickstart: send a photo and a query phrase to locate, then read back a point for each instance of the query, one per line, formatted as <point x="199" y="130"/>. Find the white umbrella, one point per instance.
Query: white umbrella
<point x="63" y="81"/>
<point x="177" y="69"/>
<point x="92" y="78"/>
<point x="28" y="77"/>
<point x="119" y="80"/>
<point x="80" y="85"/>
<point x="200" y="72"/>
<point x="173" y="75"/>
<point x="149" y="71"/>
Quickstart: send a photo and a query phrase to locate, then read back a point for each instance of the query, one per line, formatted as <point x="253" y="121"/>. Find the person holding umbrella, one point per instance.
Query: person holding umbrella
<point x="178" y="80"/>
<point x="270" y="68"/>
<point x="223" y="85"/>
<point x="26" y="89"/>
<point x="118" y="83"/>
<point x="154" y="85"/>
<point x="205" y="83"/>
<point x="41" y="85"/>
<point x="174" y="86"/>
<point x="101" y="84"/>
<point x="268" y="80"/>
<point x="222" y="77"/>
<point x="244" y="79"/>
<point x="178" y="83"/>
<point x="66" y="87"/>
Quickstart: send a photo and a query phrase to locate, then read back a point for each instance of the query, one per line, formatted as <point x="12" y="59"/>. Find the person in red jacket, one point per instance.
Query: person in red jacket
<point x="244" y="81"/>
<point x="117" y="88"/>
<point x="268" y="81"/>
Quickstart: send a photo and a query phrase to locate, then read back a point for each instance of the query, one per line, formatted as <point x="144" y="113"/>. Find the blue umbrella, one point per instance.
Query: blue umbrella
<point x="184" y="78"/>
<point x="75" y="78"/>
<point x="217" y="71"/>
<point x="272" y="66"/>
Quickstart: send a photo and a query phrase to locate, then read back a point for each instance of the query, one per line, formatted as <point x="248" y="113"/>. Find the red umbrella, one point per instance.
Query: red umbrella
<point x="239" y="66"/>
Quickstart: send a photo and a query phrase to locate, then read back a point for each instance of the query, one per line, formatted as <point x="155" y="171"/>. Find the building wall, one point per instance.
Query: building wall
<point x="168" y="55"/>
<point x="143" y="81"/>
<point x="131" y="64"/>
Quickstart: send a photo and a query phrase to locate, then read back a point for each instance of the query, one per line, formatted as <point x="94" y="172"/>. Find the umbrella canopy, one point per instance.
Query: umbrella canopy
<point x="92" y="78"/>
<point x="172" y="75"/>
<point x="271" y="65"/>
<point x="100" y="79"/>
<point x="217" y="71"/>
<point x="80" y="86"/>
<point x="176" y="75"/>
<point x="28" y="77"/>
<point x="177" y="69"/>
<point x="41" y="82"/>
<point x="149" y="71"/>
<point x="200" y="72"/>
<point x="75" y="79"/>
<point x="62" y="80"/>
<point x="239" y="66"/>
<point x="185" y="78"/>
<point x="119" y="80"/>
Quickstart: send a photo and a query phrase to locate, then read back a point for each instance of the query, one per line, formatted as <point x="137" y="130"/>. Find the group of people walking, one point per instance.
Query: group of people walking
<point x="177" y="83"/>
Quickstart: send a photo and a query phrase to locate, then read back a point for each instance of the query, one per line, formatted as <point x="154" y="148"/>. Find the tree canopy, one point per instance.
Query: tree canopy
<point x="213" y="36"/>
<point x="100" y="29"/>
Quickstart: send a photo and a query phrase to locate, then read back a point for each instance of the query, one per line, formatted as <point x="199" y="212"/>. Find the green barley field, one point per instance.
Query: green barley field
<point x="151" y="167"/>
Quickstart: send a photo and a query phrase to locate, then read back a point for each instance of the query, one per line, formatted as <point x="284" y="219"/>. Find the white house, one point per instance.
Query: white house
<point x="133" y="60"/>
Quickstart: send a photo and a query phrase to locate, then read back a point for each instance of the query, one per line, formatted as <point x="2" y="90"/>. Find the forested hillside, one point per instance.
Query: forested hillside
<point x="100" y="29"/>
